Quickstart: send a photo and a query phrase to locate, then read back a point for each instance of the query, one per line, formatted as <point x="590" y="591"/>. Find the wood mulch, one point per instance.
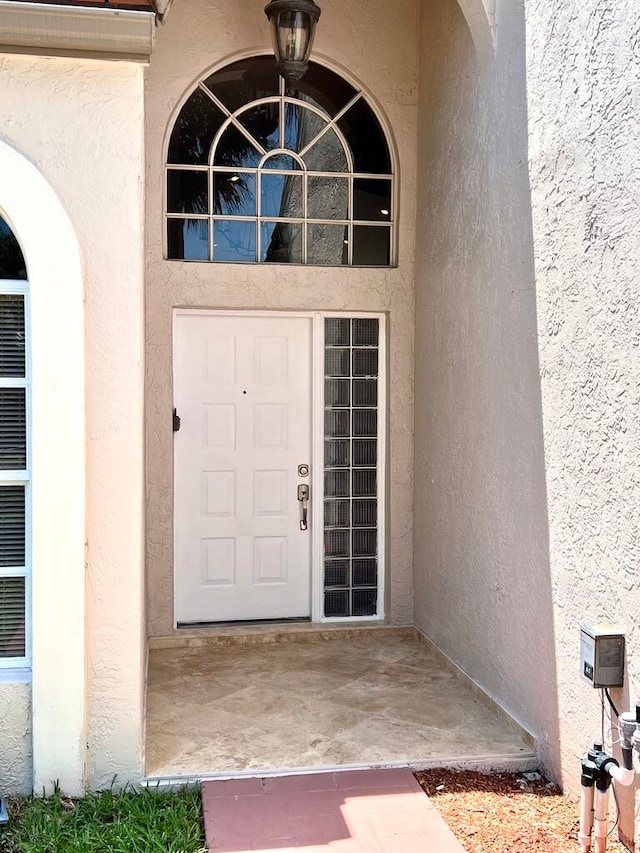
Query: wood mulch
<point x="505" y="813"/>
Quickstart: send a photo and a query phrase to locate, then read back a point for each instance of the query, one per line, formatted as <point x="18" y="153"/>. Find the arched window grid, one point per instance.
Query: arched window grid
<point x="261" y="171"/>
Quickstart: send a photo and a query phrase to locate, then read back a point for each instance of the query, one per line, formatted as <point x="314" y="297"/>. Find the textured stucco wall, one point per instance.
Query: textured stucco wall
<point x="15" y="743"/>
<point x="81" y="123"/>
<point x="379" y="46"/>
<point x="483" y="592"/>
<point x="584" y="148"/>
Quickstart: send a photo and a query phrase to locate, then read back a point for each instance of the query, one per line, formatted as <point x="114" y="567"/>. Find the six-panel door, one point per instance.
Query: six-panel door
<point x="242" y="388"/>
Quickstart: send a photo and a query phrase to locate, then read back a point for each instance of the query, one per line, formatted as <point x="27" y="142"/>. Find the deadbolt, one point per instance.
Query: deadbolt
<point x="303" y="470"/>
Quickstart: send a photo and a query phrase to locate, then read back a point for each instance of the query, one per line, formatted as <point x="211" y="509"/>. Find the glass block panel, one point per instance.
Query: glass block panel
<point x="234" y="241"/>
<point x="336" y="573"/>
<point x="194" y="131"/>
<point x="365" y="453"/>
<point x="281" y="242"/>
<point x="337" y="393"/>
<point x="12" y="336"/>
<point x="337" y="514"/>
<point x="337" y="362"/>
<point x="372" y="200"/>
<point x="365" y="543"/>
<point x="12" y="617"/>
<point x="13" y="429"/>
<point x="187" y="191"/>
<point x="365" y="422"/>
<point x="365" y="572"/>
<point x="188" y="239"/>
<point x="12" y="527"/>
<point x="263" y="123"/>
<point x="371" y="246"/>
<point x="365" y="362"/>
<point x="327" y="198"/>
<point x="336" y="603"/>
<point x="336" y="484"/>
<point x="327" y="245"/>
<point x="336" y="543"/>
<point x="366" y="333"/>
<point x="337" y="454"/>
<point x="365" y="513"/>
<point x="337" y="423"/>
<point x="337" y="332"/>
<point x="234" y="194"/>
<point x="281" y="195"/>
<point x="365" y="483"/>
<point x="365" y="393"/>
<point x="365" y="602"/>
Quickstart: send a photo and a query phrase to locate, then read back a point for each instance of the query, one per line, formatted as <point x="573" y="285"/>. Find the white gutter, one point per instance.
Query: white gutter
<point x="97" y="32"/>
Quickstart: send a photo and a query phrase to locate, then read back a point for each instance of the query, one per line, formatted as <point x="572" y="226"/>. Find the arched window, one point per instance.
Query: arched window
<point x="260" y="170"/>
<point x="14" y="468"/>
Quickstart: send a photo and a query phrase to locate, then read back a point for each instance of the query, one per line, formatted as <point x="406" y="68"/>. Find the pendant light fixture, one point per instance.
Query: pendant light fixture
<point x="293" y="27"/>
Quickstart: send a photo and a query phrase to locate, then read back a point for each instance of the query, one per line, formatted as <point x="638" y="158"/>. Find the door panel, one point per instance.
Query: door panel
<point x="242" y="388"/>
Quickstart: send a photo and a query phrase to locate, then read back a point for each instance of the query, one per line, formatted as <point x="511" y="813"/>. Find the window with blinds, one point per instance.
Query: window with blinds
<point x="14" y="472"/>
<point x="351" y="467"/>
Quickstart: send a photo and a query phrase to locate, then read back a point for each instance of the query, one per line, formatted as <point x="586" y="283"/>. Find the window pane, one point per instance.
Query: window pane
<point x="323" y="88"/>
<point x="281" y="242"/>
<point x="365" y="602"/>
<point x="336" y="514"/>
<point x="365" y="333"/>
<point x="336" y="454"/>
<point x="365" y="392"/>
<point x="263" y="123"/>
<point x="337" y="393"/>
<point x="337" y="332"/>
<point x="12" y="617"/>
<point x="194" y="131"/>
<point x="12" y="263"/>
<point x="187" y="191"/>
<point x="234" y="149"/>
<point x="12" y="336"/>
<point x="13" y="429"/>
<point x="234" y="242"/>
<point x="234" y="193"/>
<point x="336" y="603"/>
<point x="327" y="155"/>
<point x="281" y="195"/>
<point x="245" y="81"/>
<point x="12" y="527"/>
<point x="301" y="126"/>
<point x="327" y="245"/>
<point x="372" y="200"/>
<point x="188" y="239"/>
<point x="337" y="362"/>
<point x="283" y="162"/>
<point x="327" y="198"/>
<point x="336" y="573"/>
<point x="371" y="246"/>
<point x="366" y="140"/>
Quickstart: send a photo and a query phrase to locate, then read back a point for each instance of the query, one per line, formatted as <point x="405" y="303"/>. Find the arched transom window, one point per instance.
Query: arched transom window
<point x="264" y="171"/>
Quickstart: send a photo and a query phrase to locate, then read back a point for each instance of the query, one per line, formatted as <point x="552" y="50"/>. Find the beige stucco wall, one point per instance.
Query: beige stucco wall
<point x="527" y="367"/>
<point x="380" y="51"/>
<point x="15" y="747"/>
<point x="95" y="168"/>
<point x="483" y="589"/>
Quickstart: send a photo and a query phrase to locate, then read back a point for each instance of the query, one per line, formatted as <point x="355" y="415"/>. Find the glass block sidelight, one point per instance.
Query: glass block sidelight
<point x="351" y="385"/>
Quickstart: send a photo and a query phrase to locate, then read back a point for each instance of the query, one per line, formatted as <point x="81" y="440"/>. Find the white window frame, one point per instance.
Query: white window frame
<point x="8" y="666"/>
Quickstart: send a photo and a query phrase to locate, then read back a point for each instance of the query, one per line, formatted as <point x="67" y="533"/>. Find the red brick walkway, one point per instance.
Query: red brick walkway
<point x="369" y="811"/>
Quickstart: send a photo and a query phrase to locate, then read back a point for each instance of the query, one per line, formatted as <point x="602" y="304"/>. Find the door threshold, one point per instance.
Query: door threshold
<point x="274" y="632"/>
<point x="246" y="623"/>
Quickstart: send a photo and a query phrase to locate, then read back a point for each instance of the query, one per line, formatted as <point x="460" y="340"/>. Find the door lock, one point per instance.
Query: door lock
<point x="303" y="497"/>
<point x="303" y="470"/>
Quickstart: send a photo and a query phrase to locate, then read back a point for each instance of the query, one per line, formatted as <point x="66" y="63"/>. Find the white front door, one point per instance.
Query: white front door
<point x="242" y="389"/>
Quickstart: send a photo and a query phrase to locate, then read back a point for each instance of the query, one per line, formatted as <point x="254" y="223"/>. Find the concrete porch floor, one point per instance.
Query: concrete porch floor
<point x="376" y="698"/>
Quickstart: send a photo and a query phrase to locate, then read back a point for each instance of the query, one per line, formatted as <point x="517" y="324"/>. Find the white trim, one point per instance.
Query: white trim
<point x="57" y="462"/>
<point x="47" y="28"/>
<point x="317" y="470"/>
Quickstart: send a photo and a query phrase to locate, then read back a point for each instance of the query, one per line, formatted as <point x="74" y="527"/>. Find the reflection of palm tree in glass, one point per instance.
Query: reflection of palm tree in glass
<point x="11" y="259"/>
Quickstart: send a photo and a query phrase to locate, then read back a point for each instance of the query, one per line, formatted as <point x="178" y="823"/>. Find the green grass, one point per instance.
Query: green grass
<point x="130" y="821"/>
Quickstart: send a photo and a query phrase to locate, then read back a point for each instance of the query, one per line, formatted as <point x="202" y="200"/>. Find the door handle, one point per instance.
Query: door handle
<point x="303" y="497"/>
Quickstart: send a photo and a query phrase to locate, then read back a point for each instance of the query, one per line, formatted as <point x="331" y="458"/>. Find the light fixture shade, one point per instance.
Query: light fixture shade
<point x="293" y="27"/>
